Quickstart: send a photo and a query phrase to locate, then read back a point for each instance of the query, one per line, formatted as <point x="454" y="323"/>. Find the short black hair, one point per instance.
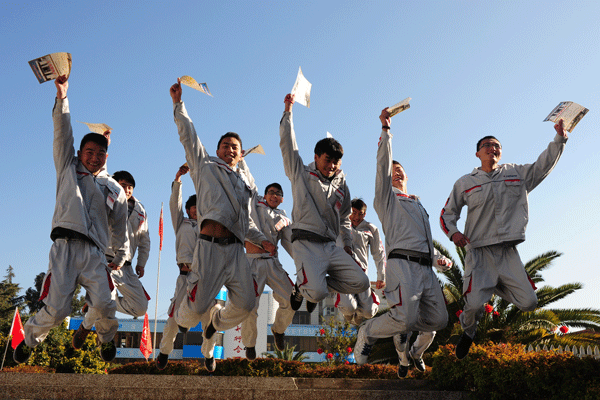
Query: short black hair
<point x="273" y="185"/>
<point x="484" y="138"/>
<point x="124" y="176"/>
<point x="331" y="147"/>
<point x="191" y="201"/>
<point x="394" y="162"/>
<point x="100" y="140"/>
<point x="359" y="204"/>
<point x="232" y="135"/>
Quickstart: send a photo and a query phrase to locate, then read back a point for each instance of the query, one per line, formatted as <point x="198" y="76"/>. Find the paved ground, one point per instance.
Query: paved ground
<point x="164" y="387"/>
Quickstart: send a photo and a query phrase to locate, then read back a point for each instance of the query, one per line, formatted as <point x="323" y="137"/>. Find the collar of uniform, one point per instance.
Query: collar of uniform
<point x="338" y="174"/>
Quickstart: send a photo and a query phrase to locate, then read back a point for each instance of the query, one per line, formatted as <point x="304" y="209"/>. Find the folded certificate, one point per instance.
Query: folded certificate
<point x="301" y="89"/>
<point x="51" y="66"/>
<point x="191" y="82"/>
<point x="97" y="128"/>
<point x="398" y="108"/>
<point x="571" y="113"/>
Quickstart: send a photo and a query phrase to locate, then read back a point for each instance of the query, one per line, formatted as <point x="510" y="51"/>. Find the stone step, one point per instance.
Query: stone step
<point x="166" y="387"/>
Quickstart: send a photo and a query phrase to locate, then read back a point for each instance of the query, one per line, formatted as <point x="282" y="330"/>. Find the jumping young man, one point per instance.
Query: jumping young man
<point x="497" y="214"/>
<point x="90" y="213"/>
<point x="320" y="214"/>
<point x="223" y="205"/>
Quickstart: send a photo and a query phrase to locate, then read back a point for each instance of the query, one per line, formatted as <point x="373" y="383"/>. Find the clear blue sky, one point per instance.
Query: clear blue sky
<point x="473" y="68"/>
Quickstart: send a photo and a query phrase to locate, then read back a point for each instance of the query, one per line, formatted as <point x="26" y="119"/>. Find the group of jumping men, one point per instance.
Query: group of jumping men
<point x="231" y="233"/>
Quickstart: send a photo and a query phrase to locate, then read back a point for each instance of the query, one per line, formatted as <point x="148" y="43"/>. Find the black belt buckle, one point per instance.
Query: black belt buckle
<point x="221" y="241"/>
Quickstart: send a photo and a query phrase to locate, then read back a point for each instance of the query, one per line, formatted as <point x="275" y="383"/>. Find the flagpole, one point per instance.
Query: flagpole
<point x="160" y="233"/>
<point x="9" y="337"/>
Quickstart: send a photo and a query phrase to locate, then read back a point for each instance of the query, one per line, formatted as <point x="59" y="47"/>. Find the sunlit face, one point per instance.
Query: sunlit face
<point x="230" y="151"/>
<point x="357" y="216"/>
<point x="274" y="197"/>
<point x="327" y="165"/>
<point x="489" y="150"/>
<point x="127" y="187"/>
<point x="399" y="177"/>
<point x="92" y="156"/>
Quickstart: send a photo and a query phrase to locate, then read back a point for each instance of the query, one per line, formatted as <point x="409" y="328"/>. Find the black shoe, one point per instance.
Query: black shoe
<point x="182" y="329"/>
<point x="161" y="361"/>
<point x="278" y="338"/>
<point x="310" y="306"/>
<point x="296" y="298"/>
<point x="462" y="347"/>
<point x="419" y="363"/>
<point x="251" y="353"/>
<point x="108" y="351"/>
<point x="402" y="371"/>
<point x="79" y="337"/>
<point x="210" y="364"/>
<point x="22" y="353"/>
<point x="210" y="330"/>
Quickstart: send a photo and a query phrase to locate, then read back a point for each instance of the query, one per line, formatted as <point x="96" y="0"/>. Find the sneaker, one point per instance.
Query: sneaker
<point x="22" y="353"/>
<point x="462" y="347"/>
<point x="210" y="329"/>
<point x="79" y="337"/>
<point x="251" y="353"/>
<point x="402" y="371"/>
<point x="418" y="361"/>
<point x="278" y="339"/>
<point x="310" y="306"/>
<point x="210" y="364"/>
<point x="108" y="351"/>
<point x="362" y="349"/>
<point x="296" y="298"/>
<point x="161" y="361"/>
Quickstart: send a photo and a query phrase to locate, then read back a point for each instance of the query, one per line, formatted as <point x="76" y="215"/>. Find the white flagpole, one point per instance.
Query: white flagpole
<point x="157" y="281"/>
<point x="9" y="337"/>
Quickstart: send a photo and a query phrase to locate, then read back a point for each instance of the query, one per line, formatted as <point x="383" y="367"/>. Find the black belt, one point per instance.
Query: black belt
<point x="127" y="264"/>
<point x="421" y="260"/>
<point x="69" y="234"/>
<point x="221" y="241"/>
<point x="301" y="234"/>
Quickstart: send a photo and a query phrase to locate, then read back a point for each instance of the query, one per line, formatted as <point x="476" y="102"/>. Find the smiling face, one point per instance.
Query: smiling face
<point x="127" y="187"/>
<point x="327" y="165"/>
<point x="274" y="197"/>
<point x="357" y="216"/>
<point x="230" y="151"/>
<point x="92" y="156"/>
<point x="490" y="151"/>
<point x="399" y="177"/>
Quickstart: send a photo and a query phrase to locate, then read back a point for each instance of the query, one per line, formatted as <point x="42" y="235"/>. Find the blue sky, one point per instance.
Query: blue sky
<point x="473" y="68"/>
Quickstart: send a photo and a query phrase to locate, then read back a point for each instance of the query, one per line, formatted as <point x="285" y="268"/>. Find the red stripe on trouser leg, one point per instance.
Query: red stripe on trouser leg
<point x="337" y="300"/>
<point x="255" y="288"/>
<point x="146" y="293"/>
<point x="374" y="297"/>
<point x="305" y="281"/>
<point x="192" y="294"/>
<point x="111" y="284"/>
<point x="399" y="295"/>
<point x="532" y="283"/>
<point x="469" y="288"/>
<point x="46" y="287"/>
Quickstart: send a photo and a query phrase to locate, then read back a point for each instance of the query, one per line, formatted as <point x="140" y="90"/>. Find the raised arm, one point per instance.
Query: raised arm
<point x="175" y="201"/>
<point x="292" y="162"/>
<point x="63" y="132"/>
<point x="383" y="177"/>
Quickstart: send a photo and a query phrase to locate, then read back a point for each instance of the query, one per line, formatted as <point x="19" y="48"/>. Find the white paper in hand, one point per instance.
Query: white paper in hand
<point x="301" y="89"/>
<point x="571" y="113"/>
<point x="191" y="82"/>
<point x="398" y="108"/>
<point x="329" y="135"/>
<point x="51" y="66"/>
<point x="258" y="149"/>
<point x="97" y="128"/>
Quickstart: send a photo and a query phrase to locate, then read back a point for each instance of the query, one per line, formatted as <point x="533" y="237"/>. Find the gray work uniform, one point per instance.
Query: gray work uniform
<point x="321" y="208"/>
<point x="223" y="195"/>
<point x="412" y="288"/>
<point x="90" y="211"/>
<point x="497" y="216"/>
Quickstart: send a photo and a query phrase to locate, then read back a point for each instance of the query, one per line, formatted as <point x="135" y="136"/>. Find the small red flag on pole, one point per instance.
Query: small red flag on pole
<point x="16" y="330"/>
<point x="146" y="342"/>
<point x="160" y="228"/>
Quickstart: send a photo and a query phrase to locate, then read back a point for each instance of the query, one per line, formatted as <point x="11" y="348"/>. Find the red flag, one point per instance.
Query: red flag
<point x="16" y="330"/>
<point x="160" y="228"/>
<point x="146" y="342"/>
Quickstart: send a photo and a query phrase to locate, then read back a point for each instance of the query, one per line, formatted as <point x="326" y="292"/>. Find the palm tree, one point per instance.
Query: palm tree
<point x="287" y="354"/>
<point x="504" y="322"/>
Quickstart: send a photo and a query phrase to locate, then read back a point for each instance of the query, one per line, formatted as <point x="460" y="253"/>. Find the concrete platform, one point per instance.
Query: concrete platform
<point x="162" y="387"/>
